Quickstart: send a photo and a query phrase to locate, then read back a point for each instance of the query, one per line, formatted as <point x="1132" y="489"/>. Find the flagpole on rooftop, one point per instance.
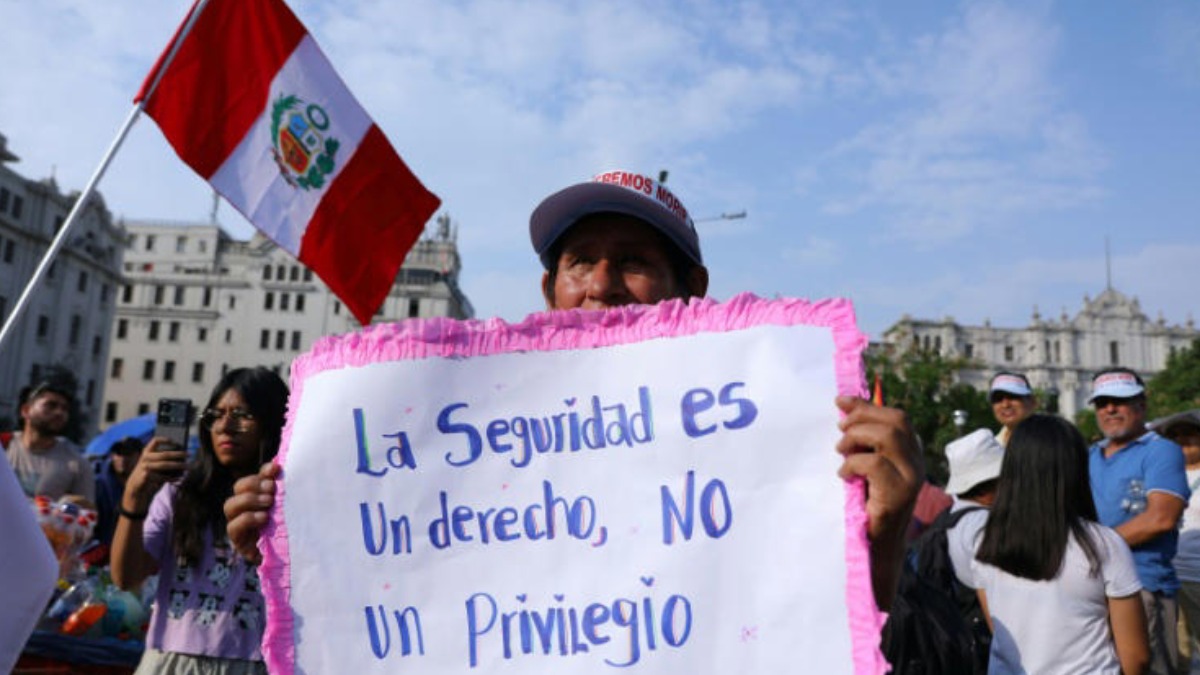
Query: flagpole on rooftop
<point x="82" y="200"/>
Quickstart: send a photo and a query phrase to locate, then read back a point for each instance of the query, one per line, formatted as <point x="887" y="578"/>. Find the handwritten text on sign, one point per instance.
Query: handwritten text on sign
<point x="650" y="506"/>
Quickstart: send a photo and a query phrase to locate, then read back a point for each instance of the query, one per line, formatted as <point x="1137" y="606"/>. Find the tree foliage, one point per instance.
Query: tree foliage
<point x="1177" y="387"/>
<point x="921" y="383"/>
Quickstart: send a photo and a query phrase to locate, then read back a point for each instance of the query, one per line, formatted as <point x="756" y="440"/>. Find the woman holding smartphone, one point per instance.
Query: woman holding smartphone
<point x="208" y="612"/>
<point x="1059" y="590"/>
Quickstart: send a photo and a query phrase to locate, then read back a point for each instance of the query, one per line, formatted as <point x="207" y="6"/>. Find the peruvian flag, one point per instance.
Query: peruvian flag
<point x="248" y="100"/>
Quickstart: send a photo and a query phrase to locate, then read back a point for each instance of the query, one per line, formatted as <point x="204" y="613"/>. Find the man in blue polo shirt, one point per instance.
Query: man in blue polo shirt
<point x="1140" y="488"/>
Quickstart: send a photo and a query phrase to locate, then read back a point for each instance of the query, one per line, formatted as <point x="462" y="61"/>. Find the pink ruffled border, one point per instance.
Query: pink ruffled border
<point x="577" y="329"/>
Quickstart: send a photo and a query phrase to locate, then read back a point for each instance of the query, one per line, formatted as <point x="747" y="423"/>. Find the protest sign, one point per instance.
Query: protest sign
<point x="650" y="489"/>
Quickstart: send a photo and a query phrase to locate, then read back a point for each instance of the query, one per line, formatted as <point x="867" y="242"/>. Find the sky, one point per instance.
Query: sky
<point x="937" y="159"/>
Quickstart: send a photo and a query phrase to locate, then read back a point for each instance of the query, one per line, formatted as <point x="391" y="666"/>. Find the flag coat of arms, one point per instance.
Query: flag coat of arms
<point x="248" y="100"/>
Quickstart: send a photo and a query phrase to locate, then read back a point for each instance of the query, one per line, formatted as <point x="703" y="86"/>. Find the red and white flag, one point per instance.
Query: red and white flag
<point x="254" y="107"/>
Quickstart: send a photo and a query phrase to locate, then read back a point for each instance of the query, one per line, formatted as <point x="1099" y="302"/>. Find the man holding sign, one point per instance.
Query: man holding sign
<point x="624" y="239"/>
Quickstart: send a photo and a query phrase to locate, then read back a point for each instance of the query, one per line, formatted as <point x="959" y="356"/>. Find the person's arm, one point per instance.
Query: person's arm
<point x="1128" y="620"/>
<point x="1161" y="516"/>
<point x="246" y="511"/>
<point x="879" y="446"/>
<point x="130" y="562"/>
<point x="987" y="616"/>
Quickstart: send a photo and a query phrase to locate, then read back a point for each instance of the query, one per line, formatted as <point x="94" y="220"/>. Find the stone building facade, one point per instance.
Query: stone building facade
<point x="1058" y="355"/>
<point x="198" y="303"/>
<point x="69" y="317"/>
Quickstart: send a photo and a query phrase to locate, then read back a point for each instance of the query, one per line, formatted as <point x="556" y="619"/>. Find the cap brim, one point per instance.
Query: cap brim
<point x="558" y="212"/>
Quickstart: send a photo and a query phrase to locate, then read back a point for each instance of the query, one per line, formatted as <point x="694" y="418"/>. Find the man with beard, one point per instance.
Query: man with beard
<point x="46" y="463"/>
<point x="1140" y="488"/>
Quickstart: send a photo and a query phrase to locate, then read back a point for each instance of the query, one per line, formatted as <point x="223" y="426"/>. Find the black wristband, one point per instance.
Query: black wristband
<point x="130" y="515"/>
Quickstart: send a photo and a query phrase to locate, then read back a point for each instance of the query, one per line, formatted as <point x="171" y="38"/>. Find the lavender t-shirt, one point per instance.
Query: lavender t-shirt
<point x="211" y="609"/>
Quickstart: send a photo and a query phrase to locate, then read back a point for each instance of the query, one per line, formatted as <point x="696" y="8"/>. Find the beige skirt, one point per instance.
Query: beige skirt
<point x="155" y="662"/>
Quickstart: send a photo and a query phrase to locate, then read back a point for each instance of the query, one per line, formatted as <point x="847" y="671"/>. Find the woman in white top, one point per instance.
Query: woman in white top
<point x="1060" y="590"/>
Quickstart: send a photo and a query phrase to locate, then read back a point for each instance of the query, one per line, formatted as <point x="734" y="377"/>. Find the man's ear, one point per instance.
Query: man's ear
<point x="697" y="281"/>
<point x="547" y="290"/>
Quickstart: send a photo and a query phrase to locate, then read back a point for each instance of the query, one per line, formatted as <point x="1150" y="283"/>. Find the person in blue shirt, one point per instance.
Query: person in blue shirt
<point x="1140" y="488"/>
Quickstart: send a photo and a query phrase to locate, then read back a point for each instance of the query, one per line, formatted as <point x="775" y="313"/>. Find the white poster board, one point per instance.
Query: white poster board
<point x="654" y="492"/>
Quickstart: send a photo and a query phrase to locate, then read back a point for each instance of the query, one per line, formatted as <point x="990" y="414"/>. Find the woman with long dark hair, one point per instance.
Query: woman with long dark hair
<point x="208" y="612"/>
<point x="1059" y="589"/>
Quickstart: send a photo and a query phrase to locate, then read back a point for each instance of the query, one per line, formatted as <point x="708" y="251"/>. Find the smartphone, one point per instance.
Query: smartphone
<point x="174" y="421"/>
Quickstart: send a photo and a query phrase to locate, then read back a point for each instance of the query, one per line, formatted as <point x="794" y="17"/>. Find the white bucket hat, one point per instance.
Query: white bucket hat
<point x="974" y="459"/>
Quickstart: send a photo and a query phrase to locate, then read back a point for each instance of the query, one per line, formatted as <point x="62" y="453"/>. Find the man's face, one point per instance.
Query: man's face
<point x="609" y="260"/>
<point x="124" y="463"/>
<point x="47" y="413"/>
<point x="1010" y="409"/>
<point x="1121" y="419"/>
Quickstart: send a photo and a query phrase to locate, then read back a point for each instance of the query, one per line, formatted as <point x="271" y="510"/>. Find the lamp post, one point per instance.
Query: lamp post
<point x="960" y="420"/>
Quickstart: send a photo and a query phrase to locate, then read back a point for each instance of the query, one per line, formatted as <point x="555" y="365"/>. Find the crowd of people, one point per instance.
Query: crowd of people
<point x="1069" y="552"/>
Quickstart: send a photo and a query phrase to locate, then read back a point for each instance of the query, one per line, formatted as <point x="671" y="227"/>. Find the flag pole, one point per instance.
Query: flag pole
<point x="63" y="231"/>
<point x="81" y="201"/>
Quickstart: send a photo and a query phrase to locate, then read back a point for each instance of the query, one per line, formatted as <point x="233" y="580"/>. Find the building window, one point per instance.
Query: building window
<point x="232" y="302"/>
<point x="9" y="252"/>
<point x="299" y="302"/>
<point x="264" y="339"/>
<point x="53" y="271"/>
<point x="179" y="291"/>
<point x="143" y="408"/>
<point x="173" y="331"/>
<point x="4" y="196"/>
<point x="202" y="245"/>
<point x="81" y="286"/>
<point x="269" y="300"/>
<point x="152" y="334"/>
<point x="337" y="307"/>
<point x="110" y="411"/>
<point x="228" y="335"/>
<point x="201" y="334"/>
<point x="207" y="297"/>
<point x="283" y="302"/>
<point x="266" y="272"/>
<point x="103" y="294"/>
<point x="1114" y="354"/>
<point x="168" y="371"/>
<point x="295" y="273"/>
<point x="148" y="370"/>
<point x="180" y="244"/>
<point x="118" y="367"/>
<point x="280" y="339"/>
<point x="4" y="308"/>
<point x="1057" y="352"/>
<point x="307" y="274"/>
<point x="149" y="242"/>
<point x="18" y="202"/>
<point x="224" y="369"/>
<point x="295" y="340"/>
<point x="91" y="392"/>
<point x="127" y="293"/>
<point x="197" y="372"/>
<point x="280" y="273"/>
<point x="969" y="350"/>
<point x="414" y="309"/>
<point x="158" y="294"/>
<point x="122" y="328"/>
<point x="73" y="335"/>
<point x="1008" y="352"/>
<point x="937" y="341"/>
<point x="43" y="327"/>
<point x="96" y="342"/>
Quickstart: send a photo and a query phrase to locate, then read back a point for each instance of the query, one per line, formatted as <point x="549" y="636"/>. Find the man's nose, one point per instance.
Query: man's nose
<point x="606" y="283"/>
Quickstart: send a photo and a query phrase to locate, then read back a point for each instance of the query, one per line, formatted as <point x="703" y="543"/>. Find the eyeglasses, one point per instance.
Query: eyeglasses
<point x="235" y="417"/>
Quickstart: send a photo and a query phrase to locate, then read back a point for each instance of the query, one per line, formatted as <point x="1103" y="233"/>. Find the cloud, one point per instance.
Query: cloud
<point x="814" y="252"/>
<point x="979" y="134"/>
